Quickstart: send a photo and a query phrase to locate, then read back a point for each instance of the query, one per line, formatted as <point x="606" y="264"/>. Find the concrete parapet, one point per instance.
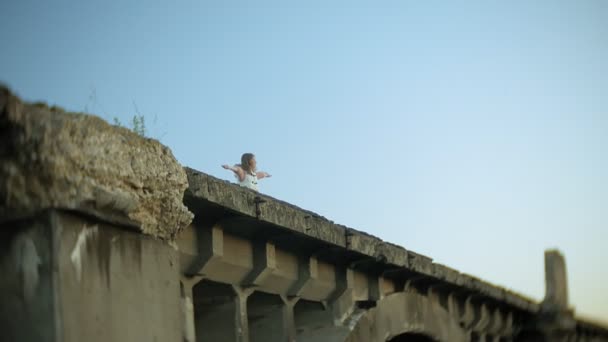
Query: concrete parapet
<point x="207" y="190"/>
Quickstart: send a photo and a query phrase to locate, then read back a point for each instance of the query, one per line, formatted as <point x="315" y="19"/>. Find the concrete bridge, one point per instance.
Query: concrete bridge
<point x="105" y="237"/>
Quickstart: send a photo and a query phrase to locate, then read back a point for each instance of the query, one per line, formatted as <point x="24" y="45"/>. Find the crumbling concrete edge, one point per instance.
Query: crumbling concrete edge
<point x="53" y="159"/>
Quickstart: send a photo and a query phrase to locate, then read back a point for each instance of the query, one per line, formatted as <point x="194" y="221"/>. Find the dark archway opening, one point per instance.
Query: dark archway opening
<point x="530" y="336"/>
<point x="215" y="312"/>
<point x="265" y="314"/>
<point x="411" y="337"/>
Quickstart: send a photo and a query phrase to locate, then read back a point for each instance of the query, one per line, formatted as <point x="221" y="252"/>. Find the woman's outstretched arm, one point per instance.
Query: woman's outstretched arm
<point x="262" y="174"/>
<point x="237" y="170"/>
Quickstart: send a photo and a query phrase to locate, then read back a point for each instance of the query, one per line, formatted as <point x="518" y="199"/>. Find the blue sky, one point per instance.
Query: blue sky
<point x="475" y="133"/>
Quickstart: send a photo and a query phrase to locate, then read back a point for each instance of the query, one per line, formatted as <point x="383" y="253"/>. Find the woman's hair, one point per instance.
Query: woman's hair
<point x="245" y="161"/>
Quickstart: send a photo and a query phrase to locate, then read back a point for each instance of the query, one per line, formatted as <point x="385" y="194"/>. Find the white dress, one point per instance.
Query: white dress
<point x="250" y="181"/>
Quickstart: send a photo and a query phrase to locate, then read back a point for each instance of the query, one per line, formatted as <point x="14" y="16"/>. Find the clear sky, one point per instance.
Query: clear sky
<point x="475" y="133"/>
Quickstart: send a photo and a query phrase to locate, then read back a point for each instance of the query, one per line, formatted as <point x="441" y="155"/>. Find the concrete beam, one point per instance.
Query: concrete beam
<point x="468" y="313"/>
<point x="341" y="300"/>
<point x="374" y="287"/>
<point x="189" y="329"/>
<point x="210" y="242"/>
<point x="482" y="319"/>
<point x="307" y="272"/>
<point x="264" y="263"/>
<point x="497" y="322"/>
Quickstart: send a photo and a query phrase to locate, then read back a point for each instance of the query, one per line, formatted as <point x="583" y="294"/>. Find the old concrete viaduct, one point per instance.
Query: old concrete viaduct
<point x="105" y="237"/>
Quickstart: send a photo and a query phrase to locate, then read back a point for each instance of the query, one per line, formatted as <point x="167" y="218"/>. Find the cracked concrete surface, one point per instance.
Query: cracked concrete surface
<point x="50" y="158"/>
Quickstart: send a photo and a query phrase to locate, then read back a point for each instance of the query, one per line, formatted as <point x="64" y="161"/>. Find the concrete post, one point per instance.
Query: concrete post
<point x="556" y="281"/>
<point x="186" y="285"/>
<point x="555" y="321"/>
<point x="241" y="318"/>
<point x="289" y="317"/>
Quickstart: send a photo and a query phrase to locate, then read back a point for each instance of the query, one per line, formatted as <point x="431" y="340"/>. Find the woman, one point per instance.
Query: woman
<point x="246" y="173"/>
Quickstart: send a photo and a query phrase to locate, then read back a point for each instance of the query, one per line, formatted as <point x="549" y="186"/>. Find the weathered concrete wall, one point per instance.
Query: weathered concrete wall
<point x="70" y="278"/>
<point x="115" y="285"/>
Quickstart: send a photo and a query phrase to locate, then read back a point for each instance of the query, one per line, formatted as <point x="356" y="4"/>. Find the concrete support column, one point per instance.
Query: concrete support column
<point x="341" y="300"/>
<point x="556" y="320"/>
<point x="186" y="284"/>
<point x="242" y="318"/>
<point x="453" y="306"/>
<point x="289" y="316"/>
<point x="556" y="282"/>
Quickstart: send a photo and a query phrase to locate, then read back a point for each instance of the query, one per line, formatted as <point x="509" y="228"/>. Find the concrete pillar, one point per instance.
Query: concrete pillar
<point x="242" y="319"/>
<point x="289" y="316"/>
<point x="555" y="320"/>
<point x="189" y="330"/>
<point x="556" y="281"/>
